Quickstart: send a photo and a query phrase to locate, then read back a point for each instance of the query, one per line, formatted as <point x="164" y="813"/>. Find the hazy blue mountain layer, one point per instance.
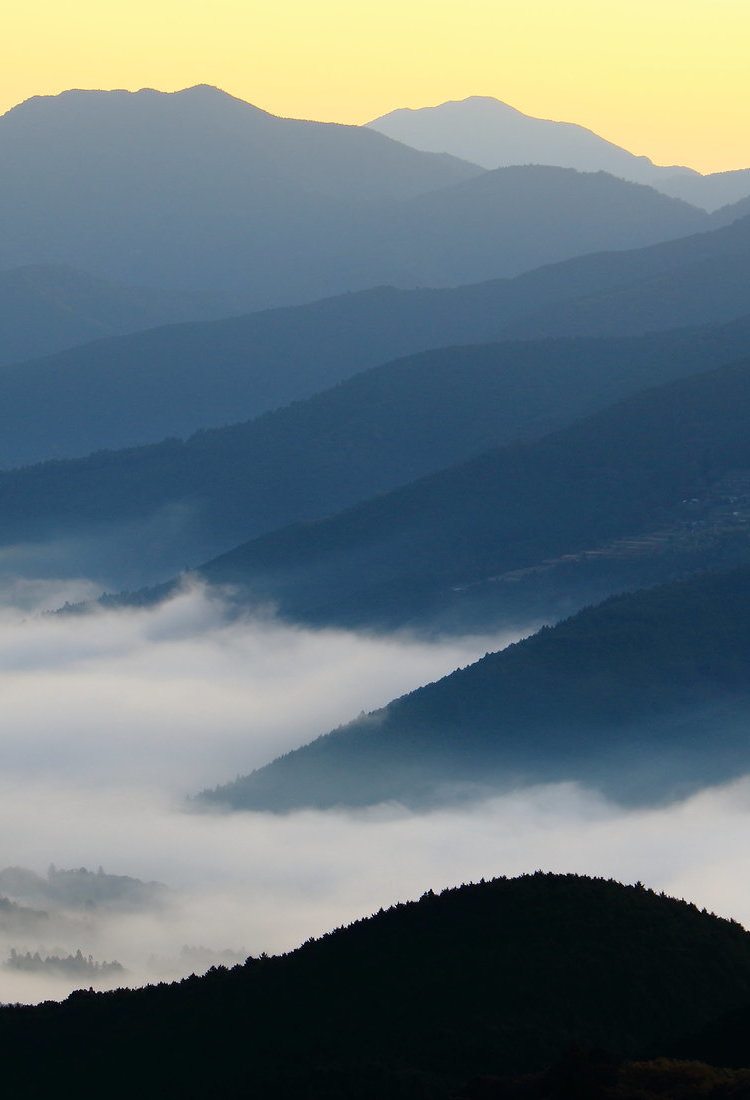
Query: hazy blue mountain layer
<point x="712" y="191"/>
<point x="488" y="132"/>
<point x="45" y="309"/>
<point x="511" y="220"/>
<point x="663" y="465"/>
<point x="493" y="134"/>
<point x="173" y="380"/>
<point x="196" y="190"/>
<point x="376" y="431"/>
<point x="493" y="978"/>
<point x="646" y="696"/>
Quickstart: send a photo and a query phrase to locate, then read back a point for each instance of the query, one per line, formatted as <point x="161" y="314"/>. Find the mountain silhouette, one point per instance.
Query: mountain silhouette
<point x="496" y="977"/>
<point x="646" y="697"/>
<point x="195" y="190"/>
<point x="443" y="544"/>
<point x="45" y="309"/>
<point x="493" y="134"/>
<point x="173" y="380"/>
<point x="394" y="423"/>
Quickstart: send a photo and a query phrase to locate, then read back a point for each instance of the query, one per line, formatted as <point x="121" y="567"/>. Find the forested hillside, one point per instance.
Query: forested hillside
<point x="645" y="696"/>
<point x="176" y="379"/>
<point x="394" y="423"/>
<point x="663" y="461"/>
<point x="494" y="978"/>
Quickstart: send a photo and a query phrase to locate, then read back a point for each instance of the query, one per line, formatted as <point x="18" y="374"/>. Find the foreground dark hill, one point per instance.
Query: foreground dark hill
<point x="174" y="380"/>
<point x="45" y="309"/>
<point x="393" y="423"/>
<point x="662" y="467"/>
<point x="645" y="696"/>
<point x="497" y="977"/>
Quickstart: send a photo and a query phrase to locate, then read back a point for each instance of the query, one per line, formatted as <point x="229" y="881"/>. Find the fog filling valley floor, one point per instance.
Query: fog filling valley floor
<point x="115" y="717"/>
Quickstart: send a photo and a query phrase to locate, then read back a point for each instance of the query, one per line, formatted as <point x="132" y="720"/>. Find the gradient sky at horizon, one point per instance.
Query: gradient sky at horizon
<point x="664" y="78"/>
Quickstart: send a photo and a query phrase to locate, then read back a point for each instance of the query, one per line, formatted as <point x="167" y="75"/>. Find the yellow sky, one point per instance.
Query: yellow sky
<point x="667" y="78"/>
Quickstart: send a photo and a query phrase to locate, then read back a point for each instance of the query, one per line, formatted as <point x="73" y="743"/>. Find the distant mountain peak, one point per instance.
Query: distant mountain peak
<point x="75" y="97"/>
<point x="494" y="134"/>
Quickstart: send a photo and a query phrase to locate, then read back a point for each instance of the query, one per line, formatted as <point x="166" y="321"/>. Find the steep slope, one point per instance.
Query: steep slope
<point x="412" y="554"/>
<point x="393" y="423"/>
<point x="171" y="381"/>
<point x="493" y="134"/>
<point x="646" y="696"/>
<point x="498" y="976"/>
<point x="46" y="309"/>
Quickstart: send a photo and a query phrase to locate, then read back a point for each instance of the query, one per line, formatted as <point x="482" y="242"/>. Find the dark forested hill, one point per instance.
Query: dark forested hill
<point x="497" y="977"/>
<point x="381" y="429"/>
<point x="172" y="381"/>
<point x="666" y="462"/>
<point x="645" y="695"/>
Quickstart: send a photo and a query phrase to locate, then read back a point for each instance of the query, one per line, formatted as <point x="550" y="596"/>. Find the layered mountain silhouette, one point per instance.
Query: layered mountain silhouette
<point x="371" y="433"/>
<point x="493" y="134"/>
<point x="193" y="190"/>
<point x="173" y="380"/>
<point x="646" y="696"/>
<point x="513" y="219"/>
<point x="500" y="977"/>
<point x="625" y="492"/>
<point x="196" y="190"/>
<point x="45" y="309"/>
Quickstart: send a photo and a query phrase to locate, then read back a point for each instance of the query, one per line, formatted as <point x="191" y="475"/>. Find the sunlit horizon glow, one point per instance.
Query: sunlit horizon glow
<point x="660" y="78"/>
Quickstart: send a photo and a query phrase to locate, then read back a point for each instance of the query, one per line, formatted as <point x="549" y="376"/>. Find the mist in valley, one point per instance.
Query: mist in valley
<point x="114" y="718"/>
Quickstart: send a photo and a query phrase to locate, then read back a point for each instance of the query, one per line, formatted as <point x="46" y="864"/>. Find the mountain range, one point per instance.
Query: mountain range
<point x="44" y="309"/>
<point x="198" y="191"/>
<point x="394" y="423"/>
<point x="493" y="134"/>
<point x="173" y="380"/>
<point x="433" y="550"/>
<point x="645" y="697"/>
<point x="349" y="383"/>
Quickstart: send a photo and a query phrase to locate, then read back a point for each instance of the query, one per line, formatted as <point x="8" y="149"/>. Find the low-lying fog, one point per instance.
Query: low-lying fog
<point x="111" y="719"/>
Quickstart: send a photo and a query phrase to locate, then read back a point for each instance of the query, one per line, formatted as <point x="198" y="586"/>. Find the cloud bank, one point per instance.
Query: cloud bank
<point x="110" y="719"/>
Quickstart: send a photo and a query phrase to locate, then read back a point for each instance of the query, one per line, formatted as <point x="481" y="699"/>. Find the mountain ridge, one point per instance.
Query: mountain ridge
<point x="394" y="423"/>
<point x="399" y="559"/>
<point x="492" y="133"/>
<point x="494" y="976"/>
<point x="178" y="379"/>
<point x="645" y="697"/>
<point x="196" y="190"/>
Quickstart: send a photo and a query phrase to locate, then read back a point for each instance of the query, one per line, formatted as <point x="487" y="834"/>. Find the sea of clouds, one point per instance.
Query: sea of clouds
<point x="111" y="719"/>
